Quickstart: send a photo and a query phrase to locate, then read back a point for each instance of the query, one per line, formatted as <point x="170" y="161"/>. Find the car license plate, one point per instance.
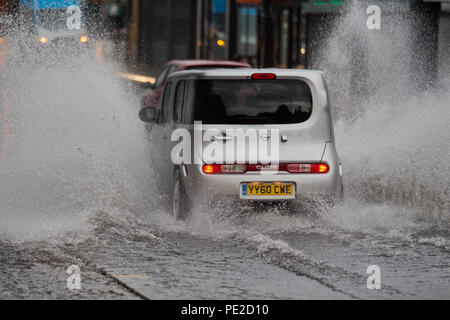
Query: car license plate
<point x="267" y="190"/>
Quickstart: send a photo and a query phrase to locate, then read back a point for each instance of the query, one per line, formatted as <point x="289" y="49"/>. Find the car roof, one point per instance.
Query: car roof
<point x="208" y="63"/>
<point x="314" y="75"/>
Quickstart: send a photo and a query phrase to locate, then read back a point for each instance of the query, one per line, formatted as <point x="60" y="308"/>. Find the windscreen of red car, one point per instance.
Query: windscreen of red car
<point x="251" y="101"/>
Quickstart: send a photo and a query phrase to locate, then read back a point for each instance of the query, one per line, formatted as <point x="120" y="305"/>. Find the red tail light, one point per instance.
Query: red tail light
<point x="264" y="76"/>
<point x="307" y="168"/>
<point x="243" y="168"/>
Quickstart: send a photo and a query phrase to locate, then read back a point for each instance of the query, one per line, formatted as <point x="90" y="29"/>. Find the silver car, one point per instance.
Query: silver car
<point x="248" y="134"/>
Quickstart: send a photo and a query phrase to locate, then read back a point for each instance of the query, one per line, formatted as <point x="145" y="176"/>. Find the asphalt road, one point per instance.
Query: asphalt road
<point x="209" y="258"/>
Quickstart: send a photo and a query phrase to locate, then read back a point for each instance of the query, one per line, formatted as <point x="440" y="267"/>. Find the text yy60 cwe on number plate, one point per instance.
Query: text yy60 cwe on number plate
<point x="267" y="190"/>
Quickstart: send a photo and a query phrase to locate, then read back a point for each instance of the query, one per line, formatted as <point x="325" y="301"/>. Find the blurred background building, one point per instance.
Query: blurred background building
<point x="266" y="33"/>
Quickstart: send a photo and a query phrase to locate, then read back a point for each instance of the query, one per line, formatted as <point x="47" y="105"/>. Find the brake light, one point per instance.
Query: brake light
<point x="208" y="168"/>
<point x="264" y="76"/>
<point x="243" y="168"/>
<point x="224" y="168"/>
<point x="307" y="168"/>
<point x="323" y="168"/>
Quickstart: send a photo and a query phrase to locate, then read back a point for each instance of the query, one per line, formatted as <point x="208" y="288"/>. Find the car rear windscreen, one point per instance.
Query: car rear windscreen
<point x="245" y="101"/>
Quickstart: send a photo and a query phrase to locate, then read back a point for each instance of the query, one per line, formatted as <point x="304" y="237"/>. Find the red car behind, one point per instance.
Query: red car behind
<point x="151" y="96"/>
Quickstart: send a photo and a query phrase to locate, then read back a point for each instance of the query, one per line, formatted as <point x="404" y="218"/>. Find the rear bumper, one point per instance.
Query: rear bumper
<point x="312" y="186"/>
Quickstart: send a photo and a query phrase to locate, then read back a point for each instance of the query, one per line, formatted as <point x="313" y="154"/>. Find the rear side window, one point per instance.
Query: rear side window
<point x="251" y="101"/>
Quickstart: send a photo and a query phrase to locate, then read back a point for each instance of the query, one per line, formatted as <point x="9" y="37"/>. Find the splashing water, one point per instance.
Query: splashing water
<point x="77" y="147"/>
<point x="392" y="137"/>
<point x="74" y="147"/>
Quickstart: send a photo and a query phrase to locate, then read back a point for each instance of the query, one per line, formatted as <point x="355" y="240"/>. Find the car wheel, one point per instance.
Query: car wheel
<point x="179" y="199"/>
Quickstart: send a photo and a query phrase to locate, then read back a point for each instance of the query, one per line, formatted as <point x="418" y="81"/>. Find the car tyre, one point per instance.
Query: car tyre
<point x="180" y="205"/>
